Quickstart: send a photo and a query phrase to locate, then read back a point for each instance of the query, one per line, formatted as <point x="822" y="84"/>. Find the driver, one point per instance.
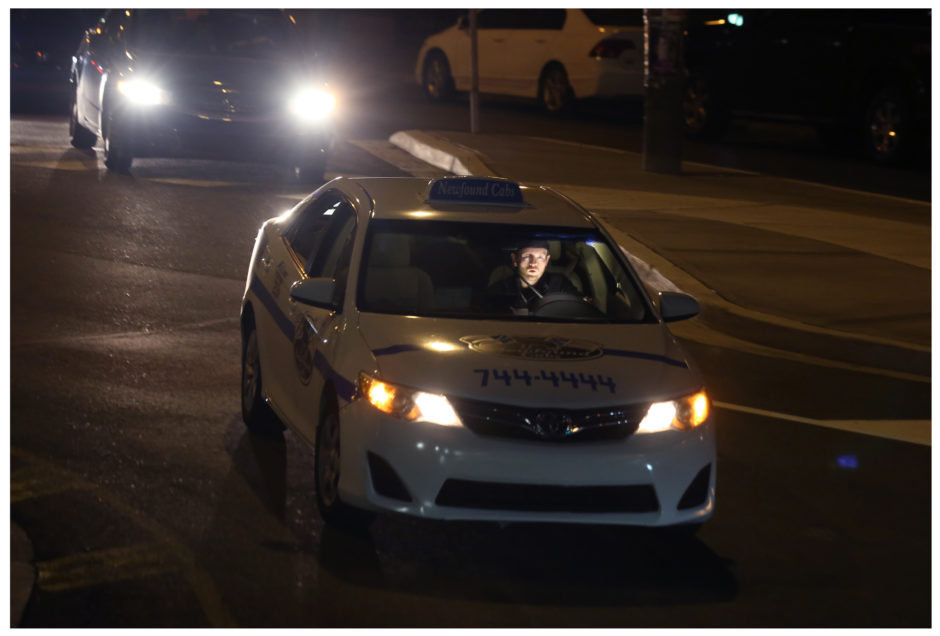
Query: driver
<point x="529" y="280"/>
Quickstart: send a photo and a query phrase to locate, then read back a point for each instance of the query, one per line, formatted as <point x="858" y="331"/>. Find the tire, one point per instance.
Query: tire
<point x="311" y="171"/>
<point x="79" y="136"/>
<point x="555" y="92"/>
<point x="256" y="413"/>
<point x="887" y="127"/>
<point x="117" y="149"/>
<point x="704" y="117"/>
<point x="436" y="78"/>
<point x="328" y="459"/>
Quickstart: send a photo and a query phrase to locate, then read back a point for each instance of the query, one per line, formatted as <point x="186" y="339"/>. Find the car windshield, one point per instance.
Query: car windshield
<point x="483" y="271"/>
<point x="251" y="34"/>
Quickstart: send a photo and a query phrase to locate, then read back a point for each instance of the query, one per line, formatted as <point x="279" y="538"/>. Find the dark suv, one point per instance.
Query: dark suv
<point x="859" y="75"/>
<point x="231" y="84"/>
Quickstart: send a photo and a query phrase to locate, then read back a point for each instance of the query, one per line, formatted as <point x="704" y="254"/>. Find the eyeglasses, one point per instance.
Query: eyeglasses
<point x="538" y="258"/>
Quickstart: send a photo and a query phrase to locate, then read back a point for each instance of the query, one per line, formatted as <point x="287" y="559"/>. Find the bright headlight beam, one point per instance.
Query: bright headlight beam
<point x="312" y="104"/>
<point x="408" y="404"/>
<point x="683" y="414"/>
<point x="142" y="92"/>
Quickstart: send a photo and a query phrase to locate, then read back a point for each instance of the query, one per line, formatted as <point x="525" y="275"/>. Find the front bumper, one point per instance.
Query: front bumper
<point x="452" y="473"/>
<point x="162" y="132"/>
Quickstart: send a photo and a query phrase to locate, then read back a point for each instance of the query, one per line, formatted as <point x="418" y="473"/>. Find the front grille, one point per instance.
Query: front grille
<point x="557" y="425"/>
<point x="459" y="493"/>
<point x="212" y="101"/>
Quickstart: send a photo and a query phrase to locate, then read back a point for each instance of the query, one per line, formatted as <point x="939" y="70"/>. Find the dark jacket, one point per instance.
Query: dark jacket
<point x="509" y="292"/>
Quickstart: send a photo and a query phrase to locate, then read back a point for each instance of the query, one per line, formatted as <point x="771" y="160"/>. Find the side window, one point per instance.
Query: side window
<point x="332" y="259"/>
<point x="306" y="233"/>
<point x="496" y="19"/>
<point x="542" y="19"/>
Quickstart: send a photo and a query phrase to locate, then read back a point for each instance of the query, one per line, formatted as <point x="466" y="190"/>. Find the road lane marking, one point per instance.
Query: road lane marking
<point x="913" y="431"/>
<point x="201" y="584"/>
<point x="33" y="483"/>
<point x="112" y="565"/>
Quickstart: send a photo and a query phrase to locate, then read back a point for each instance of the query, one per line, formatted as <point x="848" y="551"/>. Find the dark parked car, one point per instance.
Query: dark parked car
<point x="232" y="84"/>
<point x="859" y="75"/>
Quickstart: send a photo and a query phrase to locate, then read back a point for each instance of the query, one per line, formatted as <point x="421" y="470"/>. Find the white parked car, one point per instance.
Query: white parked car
<point x="472" y="349"/>
<point x="553" y="55"/>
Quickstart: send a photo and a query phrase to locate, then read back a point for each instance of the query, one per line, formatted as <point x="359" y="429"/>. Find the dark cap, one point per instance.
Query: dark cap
<point x="521" y="245"/>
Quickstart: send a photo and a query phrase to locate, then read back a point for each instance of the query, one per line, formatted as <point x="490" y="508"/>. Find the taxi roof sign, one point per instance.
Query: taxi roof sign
<point x="475" y="190"/>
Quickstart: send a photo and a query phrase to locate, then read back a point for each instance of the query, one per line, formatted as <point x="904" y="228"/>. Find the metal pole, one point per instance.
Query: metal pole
<point x="474" y="74"/>
<point x="664" y="82"/>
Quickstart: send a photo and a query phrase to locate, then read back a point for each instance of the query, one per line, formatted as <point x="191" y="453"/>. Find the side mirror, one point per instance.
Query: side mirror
<point x="674" y="306"/>
<point x="314" y="291"/>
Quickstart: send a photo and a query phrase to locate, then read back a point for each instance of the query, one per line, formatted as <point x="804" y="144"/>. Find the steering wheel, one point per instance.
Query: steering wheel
<point x="563" y="305"/>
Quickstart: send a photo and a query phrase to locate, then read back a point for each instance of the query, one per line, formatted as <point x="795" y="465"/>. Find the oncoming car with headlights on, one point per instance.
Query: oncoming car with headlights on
<point x="474" y="349"/>
<point x="230" y="84"/>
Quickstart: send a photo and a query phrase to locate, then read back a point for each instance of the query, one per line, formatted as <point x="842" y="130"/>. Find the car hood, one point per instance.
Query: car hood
<point x="529" y="363"/>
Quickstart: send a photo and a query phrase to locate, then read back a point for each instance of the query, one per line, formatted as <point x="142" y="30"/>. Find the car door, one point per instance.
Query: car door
<point x="321" y="247"/>
<point x="532" y="43"/>
<point x="96" y="62"/>
<point x="494" y="30"/>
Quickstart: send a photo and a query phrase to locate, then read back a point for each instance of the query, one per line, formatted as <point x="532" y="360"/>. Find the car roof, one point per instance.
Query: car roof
<point x="410" y="198"/>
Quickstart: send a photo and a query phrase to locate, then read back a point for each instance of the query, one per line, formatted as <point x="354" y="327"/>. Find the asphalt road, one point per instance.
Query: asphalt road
<point x="149" y="505"/>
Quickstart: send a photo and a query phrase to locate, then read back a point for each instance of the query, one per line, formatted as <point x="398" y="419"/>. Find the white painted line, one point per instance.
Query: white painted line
<point x="913" y="431"/>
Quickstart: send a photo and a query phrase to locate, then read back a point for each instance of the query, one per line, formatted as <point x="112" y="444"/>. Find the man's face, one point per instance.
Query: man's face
<point x="530" y="262"/>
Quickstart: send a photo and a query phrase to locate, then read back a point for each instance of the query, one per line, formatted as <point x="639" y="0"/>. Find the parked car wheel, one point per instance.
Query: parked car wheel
<point x="438" y="83"/>
<point x="704" y="116"/>
<point x="887" y="127"/>
<point x="555" y="91"/>
<point x="117" y="150"/>
<point x="257" y="415"/>
<point x="80" y="136"/>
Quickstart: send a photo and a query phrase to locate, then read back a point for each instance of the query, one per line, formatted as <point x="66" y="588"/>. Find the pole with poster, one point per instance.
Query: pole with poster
<point x="474" y="73"/>
<point x="664" y="81"/>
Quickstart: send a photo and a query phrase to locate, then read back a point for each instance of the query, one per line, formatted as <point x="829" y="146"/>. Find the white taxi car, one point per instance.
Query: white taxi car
<point x="554" y="55"/>
<point x="388" y="323"/>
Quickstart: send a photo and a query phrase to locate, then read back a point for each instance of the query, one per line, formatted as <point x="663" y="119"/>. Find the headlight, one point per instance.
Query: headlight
<point x="312" y="104"/>
<point x="683" y="414"/>
<point x="407" y="404"/>
<point x="142" y="92"/>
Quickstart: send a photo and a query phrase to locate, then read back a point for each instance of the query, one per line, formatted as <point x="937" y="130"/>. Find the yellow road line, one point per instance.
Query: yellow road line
<point x="201" y="584"/>
<point x="106" y="566"/>
<point x="31" y="483"/>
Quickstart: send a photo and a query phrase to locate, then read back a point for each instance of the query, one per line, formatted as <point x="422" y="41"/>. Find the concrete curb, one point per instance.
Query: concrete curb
<point x="441" y="153"/>
<point x="22" y="573"/>
<point x="660" y="274"/>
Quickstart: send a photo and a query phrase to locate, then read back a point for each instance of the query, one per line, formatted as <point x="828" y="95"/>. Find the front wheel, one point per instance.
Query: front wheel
<point x="117" y="149"/>
<point x="257" y="415"/>
<point x="327" y="448"/>
<point x="310" y="172"/>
